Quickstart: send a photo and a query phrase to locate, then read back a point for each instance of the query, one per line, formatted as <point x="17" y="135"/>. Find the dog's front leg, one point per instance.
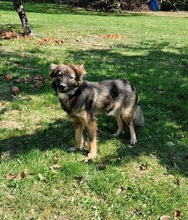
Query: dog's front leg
<point x="92" y="127"/>
<point x="78" y="126"/>
<point x="79" y="134"/>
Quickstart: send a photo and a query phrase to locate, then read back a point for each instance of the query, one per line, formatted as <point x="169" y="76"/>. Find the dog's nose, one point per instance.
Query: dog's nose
<point x="62" y="87"/>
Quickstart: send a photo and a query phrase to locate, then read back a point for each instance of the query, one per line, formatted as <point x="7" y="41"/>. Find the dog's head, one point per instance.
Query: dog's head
<point x="66" y="77"/>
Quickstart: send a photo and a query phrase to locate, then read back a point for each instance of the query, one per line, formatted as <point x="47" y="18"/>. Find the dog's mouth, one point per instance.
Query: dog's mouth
<point x="62" y="91"/>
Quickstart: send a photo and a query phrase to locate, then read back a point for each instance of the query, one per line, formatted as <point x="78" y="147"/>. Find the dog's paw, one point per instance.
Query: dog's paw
<point x="91" y="156"/>
<point x="116" y="134"/>
<point x="72" y="149"/>
<point x="133" y="142"/>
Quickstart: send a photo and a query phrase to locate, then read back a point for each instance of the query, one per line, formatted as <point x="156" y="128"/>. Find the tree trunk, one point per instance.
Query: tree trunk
<point x="18" y="5"/>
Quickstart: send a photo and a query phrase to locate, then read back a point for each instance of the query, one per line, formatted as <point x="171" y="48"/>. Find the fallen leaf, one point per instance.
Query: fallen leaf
<point x="102" y="166"/>
<point x="54" y="167"/>
<point x="27" y="79"/>
<point x="21" y="175"/>
<point x="143" y="166"/>
<point x="18" y="80"/>
<point x="114" y="36"/>
<point x="137" y="212"/>
<point x="177" y="182"/>
<point x="11" y="197"/>
<point x="11" y="176"/>
<point x="18" y="176"/>
<point x="38" y="84"/>
<point x="50" y="40"/>
<point x="38" y="77"/>
<point x="177" y="214"/>
<point x="165" y="217"/>
<point x="8" y="77"/>
<point x="121" y="189"/>
<point x="80" y="179"/>
<point x="5" y="34"/>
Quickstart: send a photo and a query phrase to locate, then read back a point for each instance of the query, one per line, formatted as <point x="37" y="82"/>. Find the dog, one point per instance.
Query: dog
<point x="83" y="100"/>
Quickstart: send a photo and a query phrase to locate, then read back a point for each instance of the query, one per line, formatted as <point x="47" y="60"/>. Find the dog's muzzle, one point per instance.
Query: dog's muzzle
<point x="62" y="87"/>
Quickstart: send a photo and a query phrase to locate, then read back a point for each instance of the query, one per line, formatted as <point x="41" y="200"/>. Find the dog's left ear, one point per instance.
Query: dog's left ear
<point x="53" y="68"/>
<point x="81" y="67"/>
<point x="78" y="69"/>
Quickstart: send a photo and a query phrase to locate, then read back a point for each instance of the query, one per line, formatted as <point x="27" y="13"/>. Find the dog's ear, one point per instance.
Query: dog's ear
<point x="81" y="67"/>
<point x="78" y="69"/>
<point x="53" y="68"/>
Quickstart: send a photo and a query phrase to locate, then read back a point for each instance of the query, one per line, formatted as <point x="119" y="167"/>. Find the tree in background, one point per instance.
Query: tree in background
<point x="18" y="5"/>
<point x="128" y="5"/>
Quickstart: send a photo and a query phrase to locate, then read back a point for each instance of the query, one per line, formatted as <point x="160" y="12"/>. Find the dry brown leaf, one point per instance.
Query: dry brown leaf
<point x="21" y="175"/>
<point x="143" y="166"/>
<point x="165" y="217"/>
<point x="80" y="179"/>
<point x="114" y="36"/>
<point x="27" y="79"/>
<point x="137" y="212"/>
<point x="8" y="77"/>
<point x="11" y="197"/>
<point x="38" y="77"/>
<point x="177" y="214"/>
<point x="177" y="182"/>
<point x="121" y="189"/>
<point x="102" y="166"/>
<point x="50" y="40"/>
<point x="54" y="167"/>
<point x="10" y="176"/>
<point x="9" y="35"/>
<point x="18" y="80"/>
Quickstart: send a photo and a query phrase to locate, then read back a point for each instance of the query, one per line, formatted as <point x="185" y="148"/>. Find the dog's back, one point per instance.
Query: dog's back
<point x="110" y="95"/>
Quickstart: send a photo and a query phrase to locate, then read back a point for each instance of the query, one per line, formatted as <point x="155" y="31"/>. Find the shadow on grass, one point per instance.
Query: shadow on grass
<point x="58" y="8"/>
<point x="10" y="27"/>
<point x="160" y="78"/>
<point x="23" y="65"/>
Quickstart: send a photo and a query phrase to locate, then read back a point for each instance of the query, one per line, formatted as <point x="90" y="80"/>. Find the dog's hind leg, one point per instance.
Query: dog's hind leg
<point x="92" y="127"/>
<point x="133" y="139"/>
<point x="120" y="126"/>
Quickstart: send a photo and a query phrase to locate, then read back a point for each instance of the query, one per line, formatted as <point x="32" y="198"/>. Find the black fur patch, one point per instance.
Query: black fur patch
<point x="54" y="86"/>
<point x="132" y="87"/>
<point x="114" y="91"/>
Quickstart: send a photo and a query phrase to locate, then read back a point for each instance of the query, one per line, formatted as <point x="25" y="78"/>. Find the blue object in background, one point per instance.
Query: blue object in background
<point x="154" y="4"/>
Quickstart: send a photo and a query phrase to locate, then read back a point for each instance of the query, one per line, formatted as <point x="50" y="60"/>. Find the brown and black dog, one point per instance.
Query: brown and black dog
<point x="83" y="100"/>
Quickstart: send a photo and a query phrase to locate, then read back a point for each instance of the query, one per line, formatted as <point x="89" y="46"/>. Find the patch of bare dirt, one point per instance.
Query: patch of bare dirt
<point x="13" y="121"/>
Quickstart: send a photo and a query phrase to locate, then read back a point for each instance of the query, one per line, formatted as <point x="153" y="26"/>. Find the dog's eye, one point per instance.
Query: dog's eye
<point x="71" y="77"/>
<point x="59" y="73"/>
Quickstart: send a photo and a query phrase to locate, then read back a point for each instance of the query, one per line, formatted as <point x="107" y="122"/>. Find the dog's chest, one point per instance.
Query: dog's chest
<point x="63" y="97"/>
<point x="64" y="100"/>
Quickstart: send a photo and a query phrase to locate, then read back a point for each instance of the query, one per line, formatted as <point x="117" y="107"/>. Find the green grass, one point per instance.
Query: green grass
<point x="144" y="182"/>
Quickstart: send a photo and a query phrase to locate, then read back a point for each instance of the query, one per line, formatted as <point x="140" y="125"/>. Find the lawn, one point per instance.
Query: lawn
<point x="39" y="179"/>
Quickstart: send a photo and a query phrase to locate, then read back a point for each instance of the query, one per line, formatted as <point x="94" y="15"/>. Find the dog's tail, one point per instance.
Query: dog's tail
<point x="138" y="117"/>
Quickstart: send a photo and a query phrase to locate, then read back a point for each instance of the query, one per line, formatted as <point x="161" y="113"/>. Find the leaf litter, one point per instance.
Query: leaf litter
<point x="12" y="35"/>
<point x="13" y="176"/>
